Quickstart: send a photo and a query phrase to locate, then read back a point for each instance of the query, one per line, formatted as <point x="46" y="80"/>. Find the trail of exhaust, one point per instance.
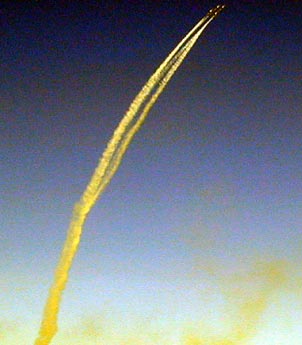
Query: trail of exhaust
<point x="161" y="84"/>
<point x="147" y="99"/>
<point x="108" y="165"/>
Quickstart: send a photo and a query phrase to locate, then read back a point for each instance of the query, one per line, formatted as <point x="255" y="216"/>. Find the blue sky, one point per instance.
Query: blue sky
<point x="210" y="186"/>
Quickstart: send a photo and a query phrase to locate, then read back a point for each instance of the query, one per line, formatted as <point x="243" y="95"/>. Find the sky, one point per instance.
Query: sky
<point x="203" y="219"/>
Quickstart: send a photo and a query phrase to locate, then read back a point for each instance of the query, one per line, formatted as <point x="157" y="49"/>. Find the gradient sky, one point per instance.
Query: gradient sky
<point x="210" y="187"/>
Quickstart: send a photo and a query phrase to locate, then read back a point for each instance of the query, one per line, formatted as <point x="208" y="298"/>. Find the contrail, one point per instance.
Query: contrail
<point x="108" y="165"/>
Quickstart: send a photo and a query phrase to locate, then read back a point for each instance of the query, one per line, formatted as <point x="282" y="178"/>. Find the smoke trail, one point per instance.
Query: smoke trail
<point x="107" y="167"/>
<point x="159" y="79"/>
<point x="161" y="84"/>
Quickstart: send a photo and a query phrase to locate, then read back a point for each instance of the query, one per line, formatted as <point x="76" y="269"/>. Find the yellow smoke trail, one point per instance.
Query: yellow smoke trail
<point x="107" y="167"/>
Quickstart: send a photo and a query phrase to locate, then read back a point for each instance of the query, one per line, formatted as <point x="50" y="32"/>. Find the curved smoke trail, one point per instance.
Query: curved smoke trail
<point x="108" y="165"/>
